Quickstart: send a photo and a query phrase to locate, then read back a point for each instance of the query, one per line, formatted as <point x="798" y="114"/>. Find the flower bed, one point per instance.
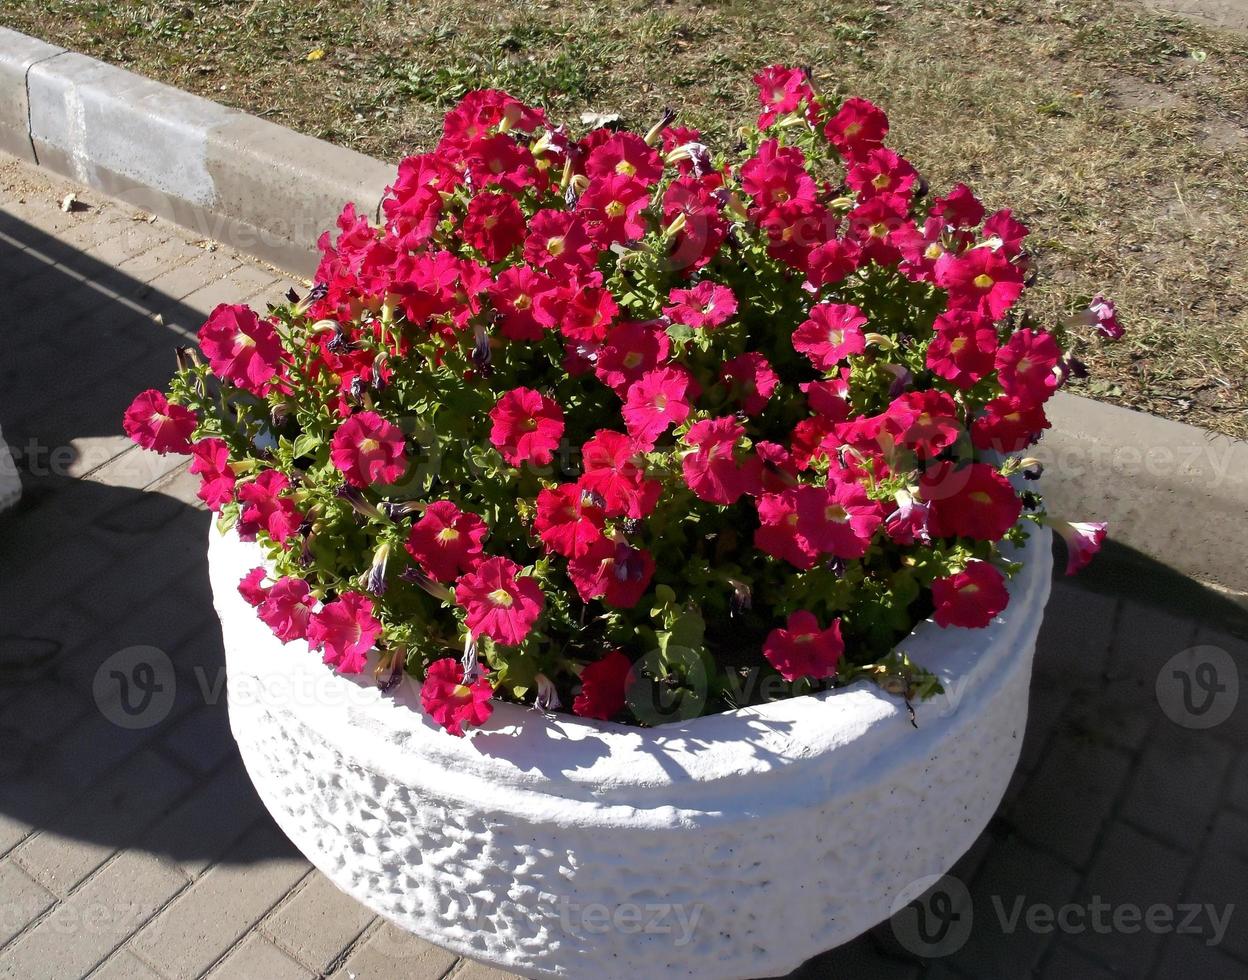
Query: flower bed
<point x="632" y="427"/>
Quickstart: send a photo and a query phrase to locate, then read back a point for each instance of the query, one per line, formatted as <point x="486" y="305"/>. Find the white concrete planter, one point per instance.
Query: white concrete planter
<point x="10" y="482"/>
<point x="733" y="846"/>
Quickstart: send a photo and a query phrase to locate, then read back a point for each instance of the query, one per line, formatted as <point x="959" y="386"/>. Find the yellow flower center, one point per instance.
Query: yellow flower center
<point x="983" y="281"/>
<point x="369" y="445"/>
<point x="501" y="598"/>
<point x="615" y="209"/>
<point x="836" y="513"/>
<point x="880" y="181"/>
<point x="625" y="168"/>
<point x="554" y="246"/>
<point x="448" y="534"/>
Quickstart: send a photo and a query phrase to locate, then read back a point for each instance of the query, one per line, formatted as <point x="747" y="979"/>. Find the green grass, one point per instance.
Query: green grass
<point x="1119" y="136"/>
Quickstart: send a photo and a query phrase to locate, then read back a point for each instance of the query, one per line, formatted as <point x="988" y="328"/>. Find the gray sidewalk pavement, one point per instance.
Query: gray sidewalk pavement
<point x="142" y="852"/>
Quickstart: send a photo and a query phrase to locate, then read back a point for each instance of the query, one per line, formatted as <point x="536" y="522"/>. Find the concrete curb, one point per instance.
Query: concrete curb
<point x="1169" y="490"/>
<point x="224" y="174"/>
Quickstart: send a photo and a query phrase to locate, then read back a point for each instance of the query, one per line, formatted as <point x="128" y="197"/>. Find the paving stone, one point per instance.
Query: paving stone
<point x="318" y="922"/>
<point x="112" y="815"/>
<point x="1186" y="957"/>
<point x="258" y="959"/>
<point x="81" y="931"/>
<point x="470" y="970"/>
<point x="1074" y="641"/>
<point x="1132" y="878"/>
<point x="203" y="741"/>
<point x="860" y="958"/>
<point x="390" y="952"/>
<point x="209" y="822"/>
<point x="1239" y="785"/>
<point x="1045" y="710"/>
<point x="22" y="900"/>
<point x="1146" y="638"/>
<point x="1066" y="963"/>
<point x="1004" y="940"/>
<point x="124" y="965"/>
<point x="1071" y="797"/>
<point x="1235" y="728"/>
<point x="217" y="910"/>
<point x="1177" y="785"/>
<point x="1220" y="876"/>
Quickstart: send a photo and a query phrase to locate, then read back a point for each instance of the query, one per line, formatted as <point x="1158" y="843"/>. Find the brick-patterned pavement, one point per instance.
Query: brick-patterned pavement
<point x="142" y="852"/>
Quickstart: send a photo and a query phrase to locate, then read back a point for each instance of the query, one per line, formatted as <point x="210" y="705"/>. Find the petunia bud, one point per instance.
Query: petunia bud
<point x="742" y="597"/>
<point x="356" y="499"/>
<point x="436" y="589"/>
<point x="655" y="131"/>
<point x="547" y="696"/>
<point x="377" y="572"/>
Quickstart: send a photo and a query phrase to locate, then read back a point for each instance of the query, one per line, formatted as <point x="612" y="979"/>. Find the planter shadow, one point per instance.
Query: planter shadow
<point x="113" y="721"/>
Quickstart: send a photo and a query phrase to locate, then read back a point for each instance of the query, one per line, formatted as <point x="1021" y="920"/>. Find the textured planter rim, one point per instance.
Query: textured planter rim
<point x="714" y="777"/>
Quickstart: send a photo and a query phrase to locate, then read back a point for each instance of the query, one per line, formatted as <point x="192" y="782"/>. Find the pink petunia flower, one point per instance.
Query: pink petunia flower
<point x="831" y="334"/>
<point x="802" y="649"/>
<point x="707" y="305"/>
<point x="604" y="685"/>
<point x="569" y="520"/>
<point x="494" y="225"/>
<point x="499" y="602"/>
<point x="1083" y="540"/>
<point x="451" y="701"/>
<point x="613" y="571"/>
<point x="712" y="470"/>
<point x="346" y="630"/>
<point x="527" y="427"/>
<point x="778" y="535"/>
<point x="266" y="506"/>
<point x="751" y="379"/>
<point x="1025" y="364"/>
<point x="211" y="461"/>
<point x="631" y="349"/>
<point x="1009" y="423"/>
<point x="963" y="348"/>
<point x="658" y="400"/>
<point x="157" y="424"/>
<point x="971" y="598"/>
<point x="973" y="501"/>
<point x="615" y="470"/>
<point x="240" y="347"/>
<point x="251" y="589"/>
<point x="368" y="449"/>
<point x="625" y="155"/>
<point x="981" y="280"/>
<point x="1104" y="316"/>
<point x="857" y="128"/>
<point x="614" y="209"/>
<point x="287" y="609"/>
<point x="446" y="542"/>
<point x="839" y="519"/>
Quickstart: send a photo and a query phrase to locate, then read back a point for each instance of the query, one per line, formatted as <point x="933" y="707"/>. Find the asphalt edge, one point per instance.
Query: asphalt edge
<point x="1168" y="490"/>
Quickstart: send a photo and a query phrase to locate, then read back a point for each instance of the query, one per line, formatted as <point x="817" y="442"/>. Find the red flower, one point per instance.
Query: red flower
<point x="838" y="519"/>
<point x="708" y="304"/>
<point x="980" y="280"/>
<point x="1009" y="424"/>
<point x="777" y="534"/>
<point x="494" y="225"/>
<point x="963" y="348"/>
<point x="971" y="598"/>
<point x="604" y="684"/>
<point x="832" y="334"/>
<point x="557" y="240"/>
<point x="367" y="449"/>
<point x="794" y="229"/>
<point x="857" y="128"/>
<point x="1003" y="226"/>
<point x="712" y="471"/>
<point x="631" y="349"/>
<point x="614" y="209"/>
<point x="776" y="175"/>
<point x="781" y="91"/>
<point x="614" y="572"/>
<point x="832" y="262"/>
<point x="446" y="541"/>
<point x="881" y="171"/>
<point x="240" y="347"/>
<point x="346" y="629"/>
<point x="1104" y="315"/>
<point x="287" y="609"/>
<point x="499" y="602"/>
<point x="1025" y="365"/>
<point x="569" y="519"/>
<point x="156" y="423"/>
<point x="581" y="310"/>
<point x="615" y="470"/>
<point x="515" y="295"/>
<point x="251" y="589"/>
<point x="625" y="155"/>
<point x="960" y="208"/>
<point x="267" y="508"/>
<point x="802" y="649"/>
<point x="973" y="502"/>
<point x="924" y="421"/>
<point x="882" y="229"/>
<point x="659" y="399"/>
<point x="527" y="427"/>
<point x="752" y="380"/>
<point x="211" y="460"/>
<point x="829" y="398"/>
<point x="451" y="702"/>
<point x="500" y="160"/>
